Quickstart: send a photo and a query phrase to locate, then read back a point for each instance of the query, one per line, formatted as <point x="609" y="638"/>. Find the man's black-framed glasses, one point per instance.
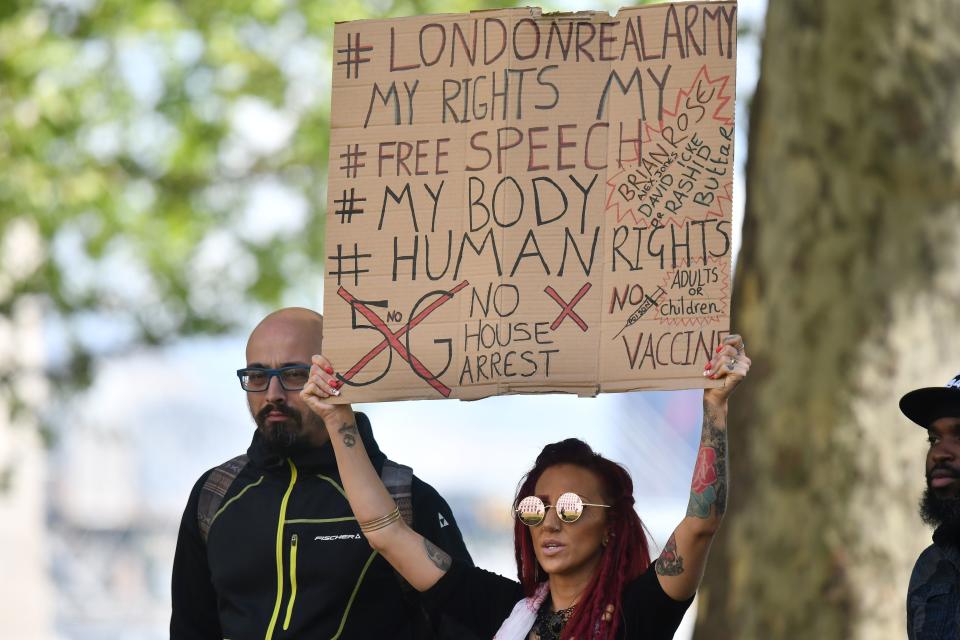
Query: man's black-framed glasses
<point x="292" y="378"/>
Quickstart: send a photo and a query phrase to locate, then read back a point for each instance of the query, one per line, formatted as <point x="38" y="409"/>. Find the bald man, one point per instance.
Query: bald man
<point x="268" y="546"/>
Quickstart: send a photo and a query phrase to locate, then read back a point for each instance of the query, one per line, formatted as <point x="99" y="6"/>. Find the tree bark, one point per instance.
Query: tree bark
<point x="847" y="292"/>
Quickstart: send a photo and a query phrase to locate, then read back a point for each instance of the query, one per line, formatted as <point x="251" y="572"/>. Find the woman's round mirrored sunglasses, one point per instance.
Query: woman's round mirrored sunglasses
<point x="531" y="511"/>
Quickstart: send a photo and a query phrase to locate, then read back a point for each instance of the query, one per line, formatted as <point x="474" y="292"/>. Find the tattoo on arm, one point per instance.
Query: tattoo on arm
<point x="670" y="563"/>
<point x="349" y="433"/>
<point x="709" y="486"/>
<point x="437" y="556"/>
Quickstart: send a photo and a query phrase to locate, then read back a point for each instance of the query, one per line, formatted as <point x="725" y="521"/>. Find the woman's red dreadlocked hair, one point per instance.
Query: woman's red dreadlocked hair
<point x="624" y="558"/>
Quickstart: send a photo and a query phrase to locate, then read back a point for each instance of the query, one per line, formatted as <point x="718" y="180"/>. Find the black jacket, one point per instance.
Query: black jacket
<point x="285" y="558"/>
<point x="933" y="598"/>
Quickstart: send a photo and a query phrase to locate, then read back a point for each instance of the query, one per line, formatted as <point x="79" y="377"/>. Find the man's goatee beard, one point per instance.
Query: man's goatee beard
<point x="282" y="437"/>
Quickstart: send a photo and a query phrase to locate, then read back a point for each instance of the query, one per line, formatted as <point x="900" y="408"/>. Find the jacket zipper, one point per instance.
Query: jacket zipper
<point x="293" y="581"/>
<point x="280" y="523"/>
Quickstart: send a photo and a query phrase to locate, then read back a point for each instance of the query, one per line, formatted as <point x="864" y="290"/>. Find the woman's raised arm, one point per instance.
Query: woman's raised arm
<point x="681" y="564"/>
<point x="417" y="559"/>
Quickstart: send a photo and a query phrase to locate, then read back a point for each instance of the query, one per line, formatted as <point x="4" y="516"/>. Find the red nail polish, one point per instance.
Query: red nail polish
<point x="708" y="367"/>
<point x="328" y="370"/>
<point x="719" y="348"/>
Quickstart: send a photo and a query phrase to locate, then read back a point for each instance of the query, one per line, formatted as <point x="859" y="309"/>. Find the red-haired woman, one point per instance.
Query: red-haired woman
<point x="582" y="556"/>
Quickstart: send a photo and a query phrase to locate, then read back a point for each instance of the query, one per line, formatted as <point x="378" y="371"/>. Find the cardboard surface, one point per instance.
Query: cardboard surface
<point x="527" y="203"/>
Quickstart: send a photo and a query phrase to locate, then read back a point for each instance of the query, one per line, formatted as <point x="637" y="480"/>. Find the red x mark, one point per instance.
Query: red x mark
<point x="391" y="339"/>
<point x="568" y="307"/>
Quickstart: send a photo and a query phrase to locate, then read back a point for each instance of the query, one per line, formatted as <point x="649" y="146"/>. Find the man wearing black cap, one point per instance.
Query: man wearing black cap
<point x="933" y="599"/>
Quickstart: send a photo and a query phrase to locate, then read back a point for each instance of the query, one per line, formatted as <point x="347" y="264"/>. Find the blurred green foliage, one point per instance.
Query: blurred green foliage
<point x="162" y="163"/>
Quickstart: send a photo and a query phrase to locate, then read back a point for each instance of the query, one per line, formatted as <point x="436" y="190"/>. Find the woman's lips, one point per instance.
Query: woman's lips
<point x="552" y="548"/>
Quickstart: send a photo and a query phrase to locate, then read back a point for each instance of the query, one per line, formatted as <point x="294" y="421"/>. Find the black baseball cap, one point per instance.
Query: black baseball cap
<point x="923" y="406"/>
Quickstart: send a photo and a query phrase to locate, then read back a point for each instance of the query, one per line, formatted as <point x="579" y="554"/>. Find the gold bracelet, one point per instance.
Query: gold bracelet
<point x="381" y="522"/>
<point x="375" y="521"/>
<point x="386" y="523"/>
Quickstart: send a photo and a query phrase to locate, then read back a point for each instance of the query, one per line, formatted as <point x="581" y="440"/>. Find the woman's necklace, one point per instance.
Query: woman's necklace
<point x="549" y="624"/>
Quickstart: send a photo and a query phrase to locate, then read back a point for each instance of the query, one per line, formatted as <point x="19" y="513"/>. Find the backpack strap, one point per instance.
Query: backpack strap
<point x="214" y="490"/>
<point x="398" y="479"/>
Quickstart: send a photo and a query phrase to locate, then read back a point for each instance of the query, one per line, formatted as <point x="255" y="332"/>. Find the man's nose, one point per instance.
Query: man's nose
<point x="944" y="450"/>
<point x="275" y="391"/>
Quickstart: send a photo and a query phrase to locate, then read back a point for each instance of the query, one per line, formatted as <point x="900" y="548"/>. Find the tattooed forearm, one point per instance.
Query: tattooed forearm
<point x="349" y="433"/>
<point x="437" y="555"/>
<point x="709" y="486"/>
<point x="670" y="563"/>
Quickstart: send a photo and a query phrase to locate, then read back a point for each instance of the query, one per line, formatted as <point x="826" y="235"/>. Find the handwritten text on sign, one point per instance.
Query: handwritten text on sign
<point x="524" y="203"/>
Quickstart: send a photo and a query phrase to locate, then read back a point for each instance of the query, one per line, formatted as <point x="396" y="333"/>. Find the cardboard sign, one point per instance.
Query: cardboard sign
<point x="526" y="203"/>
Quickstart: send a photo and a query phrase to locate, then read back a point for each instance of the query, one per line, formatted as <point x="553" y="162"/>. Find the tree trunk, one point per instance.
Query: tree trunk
<point x="847" y="293"/>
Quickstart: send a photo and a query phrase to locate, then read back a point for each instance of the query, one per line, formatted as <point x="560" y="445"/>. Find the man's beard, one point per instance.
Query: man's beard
<point x="938" y="511"/>
<point x="284" y="437"/>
